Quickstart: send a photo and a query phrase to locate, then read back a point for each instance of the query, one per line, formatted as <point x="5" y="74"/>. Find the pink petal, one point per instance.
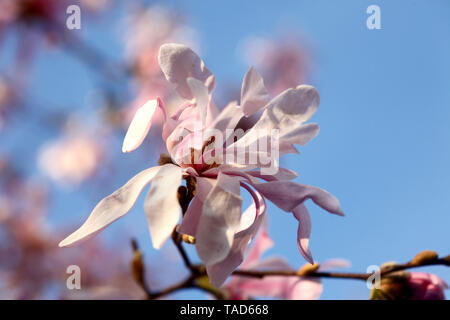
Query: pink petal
<point x="299" y="104"/>
<point x="306" y="289"/>
<point x="334" y="264"/>
<point x="283" y="174"/>
<point x="262" y="243"/>
<point x="251" y="219"/>
<point x="228" y="118"/>
<point x="286" y="112"/>
<point x="301" y="135"/>
<point x="220" y="271"/>
<point x="192" y="216"/>
<point x="219" y="220"/>
<point x="161" y="204"/>
<point x="254" y="94"/>
<point x="112" y="207"/>
<point x="304" y="231"/>
<point x="201" y="96"/>
<point x="139" y="127"/>
<point x="178" y="62"/>
<point x="287" y="195"/>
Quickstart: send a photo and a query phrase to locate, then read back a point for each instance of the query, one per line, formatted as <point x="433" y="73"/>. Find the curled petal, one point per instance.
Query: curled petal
<point x="161" y="204"/>
<point x="219" y="220"/>
<point x="287" y="195"/>
<point x="178" y="62"/>
<point x="304" y="231"/>
<point x="139" y="127"/>
<point x="112" y="207"/>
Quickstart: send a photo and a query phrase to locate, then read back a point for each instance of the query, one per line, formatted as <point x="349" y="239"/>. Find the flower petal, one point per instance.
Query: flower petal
<point x="193" y="213"/>
<point x="306" y="289"/>
<point x="301" y="135"/>
<point x="139" y="127"/>
<point x="112" y="207"/>
<point x="334" y="264"/>
<point x="304" y="231"/>
<point x="262" y="243"/>
<point x="161" y="204"/>
<point x="178" y="62"/>
<point x="219" y="220"/>
<point x="287" y="195"/>
<point x="254" y="94"/>
<point x="286" y="113"/>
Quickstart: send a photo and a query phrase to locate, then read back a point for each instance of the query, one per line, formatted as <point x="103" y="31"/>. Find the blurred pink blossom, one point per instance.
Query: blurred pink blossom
<point x="283" y="62"/>
<point x="32" y="266"/>
<point x="292" y="288"/>
<point x="426" y="286"/>
<point x="70" y="160"/>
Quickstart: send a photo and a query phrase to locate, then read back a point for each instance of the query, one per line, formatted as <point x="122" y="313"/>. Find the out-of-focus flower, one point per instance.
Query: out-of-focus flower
<point x="94" y="5"/>
<point x="283" y="62"/>
<point x="70" y="160"/>
<point x="202" y="145"/>
<point x="426" y="286"/>
<point x="292" y="288"/>
<point x="32" y="267"/>
<point x="403" y="285"/>
<point x="7" y="97"/>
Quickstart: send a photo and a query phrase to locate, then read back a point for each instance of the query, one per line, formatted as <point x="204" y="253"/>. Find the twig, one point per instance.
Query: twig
<point x="342" y="275"/>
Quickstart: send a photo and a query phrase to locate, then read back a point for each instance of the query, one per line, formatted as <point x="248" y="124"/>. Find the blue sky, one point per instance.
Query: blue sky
<point x="384" y="144"/>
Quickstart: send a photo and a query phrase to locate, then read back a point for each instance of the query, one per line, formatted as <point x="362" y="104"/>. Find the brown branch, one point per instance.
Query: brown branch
<point x="342" y="275"/>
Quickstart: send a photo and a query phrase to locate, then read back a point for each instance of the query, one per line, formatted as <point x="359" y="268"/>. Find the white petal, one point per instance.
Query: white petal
<point x="254" y="94"/>
<point x="286" y="113"/>
<point x="303" y="217"/>
<point x="178" y="62"/>
<point x="161" y="204"/>
<point x="201" y="96"/>
<point x="112" y="207"/>
<point x="139" y="127"/>
<point x="219" y="220"/>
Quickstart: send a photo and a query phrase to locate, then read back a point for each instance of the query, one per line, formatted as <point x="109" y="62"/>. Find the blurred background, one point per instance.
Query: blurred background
<point x="67" y="97"/>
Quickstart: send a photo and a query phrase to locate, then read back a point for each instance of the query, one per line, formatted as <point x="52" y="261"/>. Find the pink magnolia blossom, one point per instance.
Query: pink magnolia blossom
<point x="70" y="160"/>
<point x="426" y="286"/>
<point x="214" y="215"/>
<point x="292" y="288"/>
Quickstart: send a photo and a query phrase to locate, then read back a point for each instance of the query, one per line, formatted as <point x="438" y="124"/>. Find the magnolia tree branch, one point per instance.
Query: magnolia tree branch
<point x="198" y="278"/>
<point x="198" y="272"/>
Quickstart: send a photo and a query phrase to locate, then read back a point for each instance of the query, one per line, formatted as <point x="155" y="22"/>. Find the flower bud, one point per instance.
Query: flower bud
<point x="424" y="257"/>
<point x="308" y="269"/>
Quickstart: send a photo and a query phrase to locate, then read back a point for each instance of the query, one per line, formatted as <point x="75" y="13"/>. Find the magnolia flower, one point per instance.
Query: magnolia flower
<point x="426" y="286"/>
<point x="70" y="160"/>
<point x="292" y="288"/>
<point x="202" y="145"/>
